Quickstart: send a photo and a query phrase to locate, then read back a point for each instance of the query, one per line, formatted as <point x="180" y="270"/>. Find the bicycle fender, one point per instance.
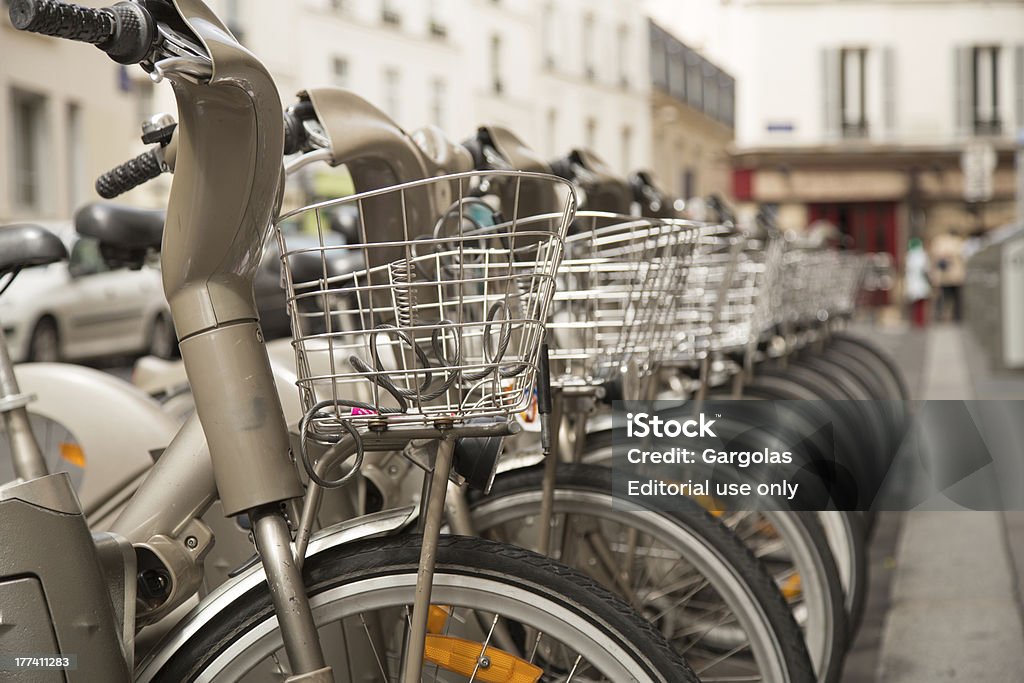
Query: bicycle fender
<point x="115" y="423"/>
<point x="383" y="523"/>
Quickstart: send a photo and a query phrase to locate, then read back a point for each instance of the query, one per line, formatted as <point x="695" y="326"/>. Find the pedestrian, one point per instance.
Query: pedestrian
<point x="948" y="274"/>
<point x="916" y="288"/>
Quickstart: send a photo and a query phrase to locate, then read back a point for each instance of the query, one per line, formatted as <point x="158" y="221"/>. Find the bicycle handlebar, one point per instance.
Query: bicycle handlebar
<point x="130" y="174"/>
<point x="126" y="31"/>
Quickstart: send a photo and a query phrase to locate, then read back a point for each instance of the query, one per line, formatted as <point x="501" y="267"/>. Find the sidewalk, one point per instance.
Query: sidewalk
<point x="954" y="611"/>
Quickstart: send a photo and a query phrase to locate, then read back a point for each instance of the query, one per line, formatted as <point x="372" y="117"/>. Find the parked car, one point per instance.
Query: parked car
<point x="270" y="297"/>
<point x="85" y="308"/>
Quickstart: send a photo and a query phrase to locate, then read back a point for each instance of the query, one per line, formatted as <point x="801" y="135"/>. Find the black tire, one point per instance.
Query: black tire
<point x="733" y="558"/>
<point x="859" y="440"/>
<point x="804" y="528"/>
<point x="44" y="344"/>
<point x="887" y="363"/>
<point x="876" y="423"/>
<point x="163" y="342"/>
<point x="460" y="560"/>
<point x="856" y="583"/>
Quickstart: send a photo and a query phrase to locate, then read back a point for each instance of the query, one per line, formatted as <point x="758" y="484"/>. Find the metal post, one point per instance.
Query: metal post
<point x="433" y="514"/>
<point x="26" y="457"/>
<point x="547" y="499"/>
<point x="287" y="591"/>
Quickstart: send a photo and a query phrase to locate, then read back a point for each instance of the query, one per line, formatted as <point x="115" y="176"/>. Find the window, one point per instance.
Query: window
<point x="496" y="84"/>
<point x="389" y="13"/>
<point x="550" y="30"/>
<point x="591" y="133"/>
<point x="438" y="29"/>
<point x="438" y="91"/>
<point x="710" y="82"/>
<point x="623" y="56"/>
<point x="392" y="83"/>
<point x="694" y="80"/>
<point x="726" y="101"/>
<point x="339" y="72"/>
<point x="86" y="258"/>
<point x="985" y="93"/>
<point x="689" y="183"/>
<point x="76" y="154"/>
<point x="143" y="92"/>
<point x="626" y="152"/>
<point x="552" y="128"/>
<point x="852" y="92"/>
<point x="676" y="72"/>
<point x="28" y="117"/>
<point x="588" y="47"/>
<point x="232" y="18"/>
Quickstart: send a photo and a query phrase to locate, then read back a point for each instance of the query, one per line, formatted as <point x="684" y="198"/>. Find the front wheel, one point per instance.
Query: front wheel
<point x="536" y="612"/>
<point x="681" y="568"/>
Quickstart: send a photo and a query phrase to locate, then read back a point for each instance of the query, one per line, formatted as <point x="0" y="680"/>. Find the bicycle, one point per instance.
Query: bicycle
<point x="228" y="143"/>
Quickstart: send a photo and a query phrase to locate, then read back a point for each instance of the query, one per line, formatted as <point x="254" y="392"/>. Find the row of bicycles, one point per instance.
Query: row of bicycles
<point x="443" y="498"/>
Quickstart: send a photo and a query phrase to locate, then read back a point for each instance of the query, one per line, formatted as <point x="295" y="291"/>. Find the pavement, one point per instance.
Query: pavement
<point x="945" y="593"/>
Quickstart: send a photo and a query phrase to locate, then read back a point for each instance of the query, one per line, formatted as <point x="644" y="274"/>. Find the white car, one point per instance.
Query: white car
<point x="83" y="308"/>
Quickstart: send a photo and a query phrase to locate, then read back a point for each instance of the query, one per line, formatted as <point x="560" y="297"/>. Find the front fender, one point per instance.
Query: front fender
<point x="115" y="423"/>
<point x="383" y="523"/>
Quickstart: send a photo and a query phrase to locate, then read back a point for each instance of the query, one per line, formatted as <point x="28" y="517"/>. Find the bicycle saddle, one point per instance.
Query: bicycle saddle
<point x="121" y="226"/>
<point x="653" y="202"/>
<point x="125" y="233"/>
<point x="26" y="245"/>
<point x="604" y="190"/>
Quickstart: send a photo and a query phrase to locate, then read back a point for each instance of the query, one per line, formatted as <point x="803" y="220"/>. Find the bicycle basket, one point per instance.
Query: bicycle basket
<point x="619" y="273"/>
<point x="440" y="322"/>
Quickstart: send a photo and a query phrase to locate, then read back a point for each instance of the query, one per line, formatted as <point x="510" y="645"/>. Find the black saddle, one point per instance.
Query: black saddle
<point x="125" y="234"/>
<point x="121" y="226"/>
<point x="26" y="245"/>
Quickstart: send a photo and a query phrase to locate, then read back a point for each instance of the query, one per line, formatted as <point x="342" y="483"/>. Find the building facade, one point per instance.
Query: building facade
<point x="859" y="112"/>
<point x="692" y="118"/>
<point x="561" y="73"/>
<point x="67" y="114"/>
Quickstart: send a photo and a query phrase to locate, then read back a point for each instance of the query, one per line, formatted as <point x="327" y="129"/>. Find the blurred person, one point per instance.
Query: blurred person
<point x="948" y="273"/>
<point x="917" y="288"/>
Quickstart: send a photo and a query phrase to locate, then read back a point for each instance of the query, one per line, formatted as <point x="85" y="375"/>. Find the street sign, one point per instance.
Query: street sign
<point x="978" y="162"/>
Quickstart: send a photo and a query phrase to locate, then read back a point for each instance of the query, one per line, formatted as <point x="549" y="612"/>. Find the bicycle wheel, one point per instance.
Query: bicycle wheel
<point x="847" y="534"/>
<point x="797" y="554"/>
<point x="684" y="570"/>
<point x="845" y="531"/>
<point x="887" y="366"/>
<point x="527" y="610"/>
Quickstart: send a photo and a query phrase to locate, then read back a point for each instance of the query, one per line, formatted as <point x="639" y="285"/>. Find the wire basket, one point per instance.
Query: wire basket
<point x="820" y="284"/>
<point x="436" y="316"/>
<point x="618" y="277"/>
<point x="730" y="297"/>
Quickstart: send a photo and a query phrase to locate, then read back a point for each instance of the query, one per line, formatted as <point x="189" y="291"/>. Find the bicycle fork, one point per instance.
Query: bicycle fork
<point x="433" y="514"/>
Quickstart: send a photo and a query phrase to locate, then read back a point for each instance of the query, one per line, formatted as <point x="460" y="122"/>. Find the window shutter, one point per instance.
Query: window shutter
<point x="830" y="83"/>
<point x="1018" y="79"/>
<point x="889" y="90"/>
<point x="962" y="89"/>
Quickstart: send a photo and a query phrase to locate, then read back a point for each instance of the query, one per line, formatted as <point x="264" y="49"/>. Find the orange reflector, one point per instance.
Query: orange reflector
<point x="792" y="587"/>
<point x="73" y="453"/>
<point x="461" y="657"/>
<point x="710" y="504"/>
<point x="437" y="618"/>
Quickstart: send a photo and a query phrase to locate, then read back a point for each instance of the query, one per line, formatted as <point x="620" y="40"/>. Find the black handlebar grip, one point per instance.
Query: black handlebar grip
<point x="128" y="175"/>
<point x="134" y="34"/>
<point x="63" y="20"/>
